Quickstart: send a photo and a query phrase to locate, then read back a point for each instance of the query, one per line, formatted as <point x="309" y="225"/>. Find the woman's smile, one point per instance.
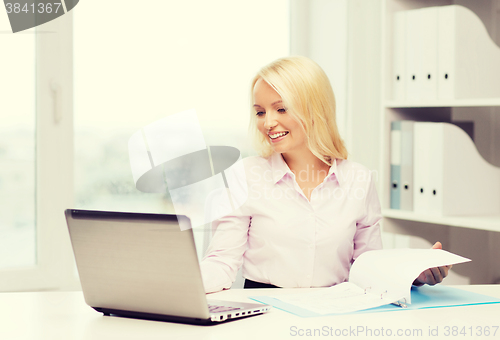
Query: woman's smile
<point x="275" y="137"/>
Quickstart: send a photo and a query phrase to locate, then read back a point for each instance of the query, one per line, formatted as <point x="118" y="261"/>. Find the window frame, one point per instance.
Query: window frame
<point x="54" y="268"/>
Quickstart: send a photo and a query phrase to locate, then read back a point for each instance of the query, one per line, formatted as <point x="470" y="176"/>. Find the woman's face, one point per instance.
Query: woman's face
<point x="283" y="132"/>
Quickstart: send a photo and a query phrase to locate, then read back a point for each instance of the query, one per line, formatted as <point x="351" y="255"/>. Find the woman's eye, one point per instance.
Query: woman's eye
<point x="260" y="113"/>
<point x="282" y="110"/>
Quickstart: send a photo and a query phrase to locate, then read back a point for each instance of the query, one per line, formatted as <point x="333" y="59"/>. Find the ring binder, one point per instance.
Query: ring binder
<point x="400" y="303"/>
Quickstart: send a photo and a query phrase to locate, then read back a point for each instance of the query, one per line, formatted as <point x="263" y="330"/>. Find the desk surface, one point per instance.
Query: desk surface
<point x="64" y="315"/>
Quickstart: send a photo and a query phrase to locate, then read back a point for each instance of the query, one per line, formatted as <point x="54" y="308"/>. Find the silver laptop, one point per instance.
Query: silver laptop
<point x="143" y="266"/>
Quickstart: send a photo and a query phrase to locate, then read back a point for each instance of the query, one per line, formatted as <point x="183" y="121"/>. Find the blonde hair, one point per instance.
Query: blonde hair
<point x="308" y="97"/>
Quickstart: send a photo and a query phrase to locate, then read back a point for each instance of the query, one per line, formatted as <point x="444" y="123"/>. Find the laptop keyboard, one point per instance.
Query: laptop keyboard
<point x="220" y="309"/>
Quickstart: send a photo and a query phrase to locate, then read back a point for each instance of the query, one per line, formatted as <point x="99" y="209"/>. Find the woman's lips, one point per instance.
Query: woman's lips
<point x="275" y="140"/>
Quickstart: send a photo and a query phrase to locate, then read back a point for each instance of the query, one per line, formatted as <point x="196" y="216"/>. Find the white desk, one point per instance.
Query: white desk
<point x="65" y="316"/>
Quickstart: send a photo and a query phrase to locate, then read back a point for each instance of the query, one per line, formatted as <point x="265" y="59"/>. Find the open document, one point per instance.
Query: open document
<point x="377" y="278"/>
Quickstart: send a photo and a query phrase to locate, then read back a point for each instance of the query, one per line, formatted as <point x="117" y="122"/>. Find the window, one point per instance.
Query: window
<point x="36" y="142"/>
<point x="17" y="149"/>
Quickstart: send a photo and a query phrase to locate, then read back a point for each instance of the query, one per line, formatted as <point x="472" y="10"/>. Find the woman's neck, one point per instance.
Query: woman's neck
<point x="305" y="162"/>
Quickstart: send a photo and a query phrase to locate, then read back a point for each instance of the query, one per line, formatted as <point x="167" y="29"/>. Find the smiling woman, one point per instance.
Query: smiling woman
<point x="295" y="230"/>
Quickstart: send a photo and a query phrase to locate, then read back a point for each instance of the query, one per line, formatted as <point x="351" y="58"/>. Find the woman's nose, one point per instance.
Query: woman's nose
<point x="270" y="121"/>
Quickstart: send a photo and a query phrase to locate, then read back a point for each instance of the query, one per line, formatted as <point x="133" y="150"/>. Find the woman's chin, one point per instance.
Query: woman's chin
<point x="278" y="149"/>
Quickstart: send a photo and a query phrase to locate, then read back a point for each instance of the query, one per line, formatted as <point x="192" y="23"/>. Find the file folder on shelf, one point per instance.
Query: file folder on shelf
<point x="395" y="165"/>
<point x="428" y="26"/>
<point x="401" y="165"/>
<point x="413" y="46"/>
<point x="429" y="168"/>
<point x="407" y="165"/>
<point x="398" y="63"/>
<point x="450" y="176"/>
<point x="443" y="53"/>
<point x="419" y="52"/>
<point x="468" y="59"/>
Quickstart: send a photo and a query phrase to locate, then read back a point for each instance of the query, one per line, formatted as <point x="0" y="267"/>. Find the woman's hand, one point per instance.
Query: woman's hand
<point x="432" y="276"/>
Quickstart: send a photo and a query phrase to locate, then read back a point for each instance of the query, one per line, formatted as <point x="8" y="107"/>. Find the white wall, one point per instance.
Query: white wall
<point x="340" y="36"/>
<point x="318" y="30"/>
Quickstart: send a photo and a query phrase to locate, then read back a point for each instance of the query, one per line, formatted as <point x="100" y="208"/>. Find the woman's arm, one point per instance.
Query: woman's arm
<point x="367" y="236"/>
<point x="225" y="253"/>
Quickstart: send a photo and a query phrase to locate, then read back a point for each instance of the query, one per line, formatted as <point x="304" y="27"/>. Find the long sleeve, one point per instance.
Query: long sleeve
<point x="225" y="253"/>
<point x="367" y="236"/>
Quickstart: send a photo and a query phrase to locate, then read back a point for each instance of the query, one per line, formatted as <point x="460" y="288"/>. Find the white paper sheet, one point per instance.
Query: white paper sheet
<point x="394" y="270"/>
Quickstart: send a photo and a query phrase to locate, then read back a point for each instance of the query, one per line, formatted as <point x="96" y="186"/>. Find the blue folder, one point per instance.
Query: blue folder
<point x="437" y="296"/>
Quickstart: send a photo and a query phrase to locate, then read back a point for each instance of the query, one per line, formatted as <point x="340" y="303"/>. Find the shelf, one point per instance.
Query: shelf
<point x="478" y="102"/>
<point x="489" y="223"/>
<point x="438" y="110"/>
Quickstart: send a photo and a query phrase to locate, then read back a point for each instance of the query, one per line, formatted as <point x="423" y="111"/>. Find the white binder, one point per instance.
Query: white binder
<point x="426" y="165"/>
<point x="412" y="49"/>
<point x="468" y="59"/>
<point x="435" y="169"/>
<point x="396" y="165"/>
<point x="398" y="56"/>
<point x="446" y="52"/>
<point x="451" y="177"/>
<point x="428" y="27"/>
<point x="407" y="187"/>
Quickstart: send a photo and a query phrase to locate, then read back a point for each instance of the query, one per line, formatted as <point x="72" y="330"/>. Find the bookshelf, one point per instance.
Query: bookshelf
<point x="482" y="102"/>
<point x="436" y="110"/>
<point x="486" y="222"/>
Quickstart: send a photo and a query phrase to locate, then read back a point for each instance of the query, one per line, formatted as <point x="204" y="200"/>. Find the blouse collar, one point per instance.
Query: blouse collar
<point x="280" y="169"/>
